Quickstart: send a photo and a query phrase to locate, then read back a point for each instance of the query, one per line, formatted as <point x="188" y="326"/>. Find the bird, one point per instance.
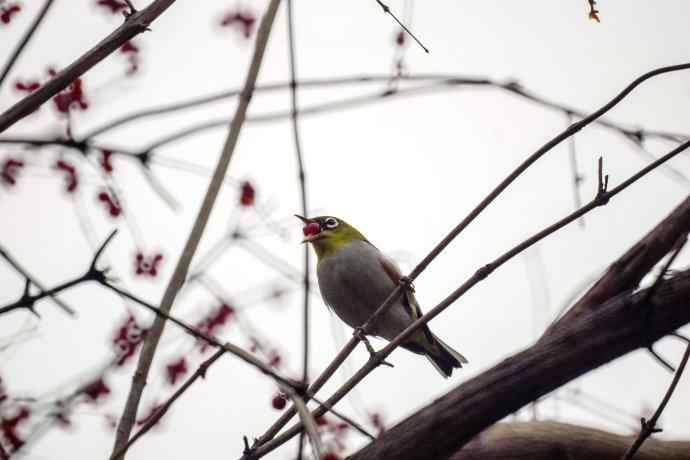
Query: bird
<point x="355" y="278"/>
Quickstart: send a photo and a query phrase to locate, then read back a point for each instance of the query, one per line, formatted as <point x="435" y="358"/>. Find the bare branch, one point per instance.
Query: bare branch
<point x="649" y="427"/>
<point x="133" y="25"/>
<point x="25" y="40"/>
<point x="387" y="10"/>
<point x="602" y="197"/>
<point x="308" y="422"/>
<point x="618" y="327"/>
<point x="28" y="300"/>
<point x="551" y="440"/>
<point x="482" y="273"/>
<point x="627" y="272"/>
<point x="19" y="269"/>
<point x="180" y="273"/>
<point x="162" y="410"/>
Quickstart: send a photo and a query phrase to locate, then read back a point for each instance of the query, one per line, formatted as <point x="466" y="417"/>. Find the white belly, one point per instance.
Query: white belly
<point x="353" y="283"/>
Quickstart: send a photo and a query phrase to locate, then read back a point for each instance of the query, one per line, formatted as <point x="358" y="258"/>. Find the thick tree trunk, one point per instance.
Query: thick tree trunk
<point x="562" y="441"/>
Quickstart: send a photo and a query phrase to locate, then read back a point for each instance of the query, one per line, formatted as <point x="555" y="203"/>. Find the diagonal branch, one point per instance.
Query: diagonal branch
<point x="24" y="41"/>
<point x="134" y="25"/>
<point x="28" y="300"/>
<point x="19" y="269"/>
<point x="627" y="272"/>
<point x="180" y="273"/>
<point x="649" y="426"/>
<point x="602" y="197"/>
<point x="481" y="274"/>
<point x="612" y="330"/>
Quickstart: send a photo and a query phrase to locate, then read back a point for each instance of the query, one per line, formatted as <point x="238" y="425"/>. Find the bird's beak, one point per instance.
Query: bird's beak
<point x="311" y="229"/>
<point x="303" y="219"/>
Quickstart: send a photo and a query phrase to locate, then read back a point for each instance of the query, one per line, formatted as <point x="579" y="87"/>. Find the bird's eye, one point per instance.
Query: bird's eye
<point x="331" y="223"/>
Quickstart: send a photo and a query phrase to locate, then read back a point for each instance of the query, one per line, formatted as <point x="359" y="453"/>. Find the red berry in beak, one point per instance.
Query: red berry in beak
<point x="311" y="228"/>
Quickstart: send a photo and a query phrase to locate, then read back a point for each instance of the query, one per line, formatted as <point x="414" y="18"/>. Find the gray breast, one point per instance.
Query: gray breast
<point x="353" y="283"/>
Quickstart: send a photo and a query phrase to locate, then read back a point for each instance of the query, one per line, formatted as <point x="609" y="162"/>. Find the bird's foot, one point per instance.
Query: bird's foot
<point x="361" y="336"/>
<point x="406" y="283"/>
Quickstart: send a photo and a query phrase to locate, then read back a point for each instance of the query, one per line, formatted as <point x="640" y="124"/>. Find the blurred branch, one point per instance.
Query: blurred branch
<point x="163" y="409"/>
<point x="302" y="185"/>
<point x="134" y="25"/>
<point x="227" y="347"/>
<point x="387" y="10"/>
<point x="610" y="331"/>
<point x="264" y="443"/>
<point x="19" y="269"/>
<point x="434" y="82"/>
<point x="308" y="422"/>
<point x="180" y="273"/>
<point x="574" y="170"/>
<point x="601" y="198"/>
<point x="24" y="41"/>
<point x="552" y="440"/>
<point x="294" y="122"/>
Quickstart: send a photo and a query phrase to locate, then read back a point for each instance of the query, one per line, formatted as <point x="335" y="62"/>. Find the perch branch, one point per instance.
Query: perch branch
<point x="608" y="332"/>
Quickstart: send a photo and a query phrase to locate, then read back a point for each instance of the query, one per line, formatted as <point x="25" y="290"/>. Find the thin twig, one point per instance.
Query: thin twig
<point x="387" y="10"/>
<point x="162" y="410"/>
<point x="134" y="25"/>
<point x="482" y="273"/>
<point x="180" y="273"/>
<point x="344" y="418"/>
<point x="131" y="7"/>
<point x="648" y="427"/>
<point x="303" y="196"/>
<point x="308" y="421"/>
<point x="19" y="269"/>
<point x="25" y="40"/>
<point x="302" y="183"/>
<point x="229" y="348"/>
<point x="574" y="170"/>
<point x="28" y="300"/>
<point x="447" y="81"/>
<point x="601" y="198"/>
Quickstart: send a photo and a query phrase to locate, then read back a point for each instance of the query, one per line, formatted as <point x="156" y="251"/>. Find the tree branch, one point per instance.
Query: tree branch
<point x="483" y="272"/>
<point x="627" y="272"/>
<point x="133" y="25"/>
<point x="551" y="440"/>
<point x="180" y="273"/>
<point x="19" y="269"/>
<point x="25" y="40"/>
<point x="602" y="197"/>
<point x="612" y="330"/>
<point x="649" y="426"/>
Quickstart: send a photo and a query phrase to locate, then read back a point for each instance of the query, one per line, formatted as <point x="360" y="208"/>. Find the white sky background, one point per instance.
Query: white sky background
<point x="403" y="171"/>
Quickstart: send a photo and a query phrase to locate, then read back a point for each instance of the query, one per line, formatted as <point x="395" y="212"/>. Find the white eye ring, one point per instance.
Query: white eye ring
<point x="331" y="223"/>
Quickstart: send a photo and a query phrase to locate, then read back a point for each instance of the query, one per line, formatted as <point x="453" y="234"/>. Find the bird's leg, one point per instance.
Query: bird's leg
<point x="406" y="283"/>
<point x="361" y="336"/>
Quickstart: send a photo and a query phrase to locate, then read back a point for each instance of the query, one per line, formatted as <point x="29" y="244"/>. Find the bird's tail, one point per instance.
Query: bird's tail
<point x="443" y="357"/>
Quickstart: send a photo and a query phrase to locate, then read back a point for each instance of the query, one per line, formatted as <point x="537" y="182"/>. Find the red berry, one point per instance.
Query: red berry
<point x="278" y="402"/>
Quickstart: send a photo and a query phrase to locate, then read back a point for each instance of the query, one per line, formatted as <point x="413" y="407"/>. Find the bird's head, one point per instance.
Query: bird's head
<point x="327" y="234"/>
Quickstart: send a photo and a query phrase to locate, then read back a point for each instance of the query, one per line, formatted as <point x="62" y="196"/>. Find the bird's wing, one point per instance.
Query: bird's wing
<point x="408" y="299"/>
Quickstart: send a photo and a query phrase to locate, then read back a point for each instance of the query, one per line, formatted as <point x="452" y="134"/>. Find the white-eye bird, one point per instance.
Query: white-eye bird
<point x="355" y="278"/>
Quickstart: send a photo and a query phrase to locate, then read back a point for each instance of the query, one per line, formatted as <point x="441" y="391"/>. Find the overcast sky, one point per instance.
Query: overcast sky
<point x="404" y="171"/>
